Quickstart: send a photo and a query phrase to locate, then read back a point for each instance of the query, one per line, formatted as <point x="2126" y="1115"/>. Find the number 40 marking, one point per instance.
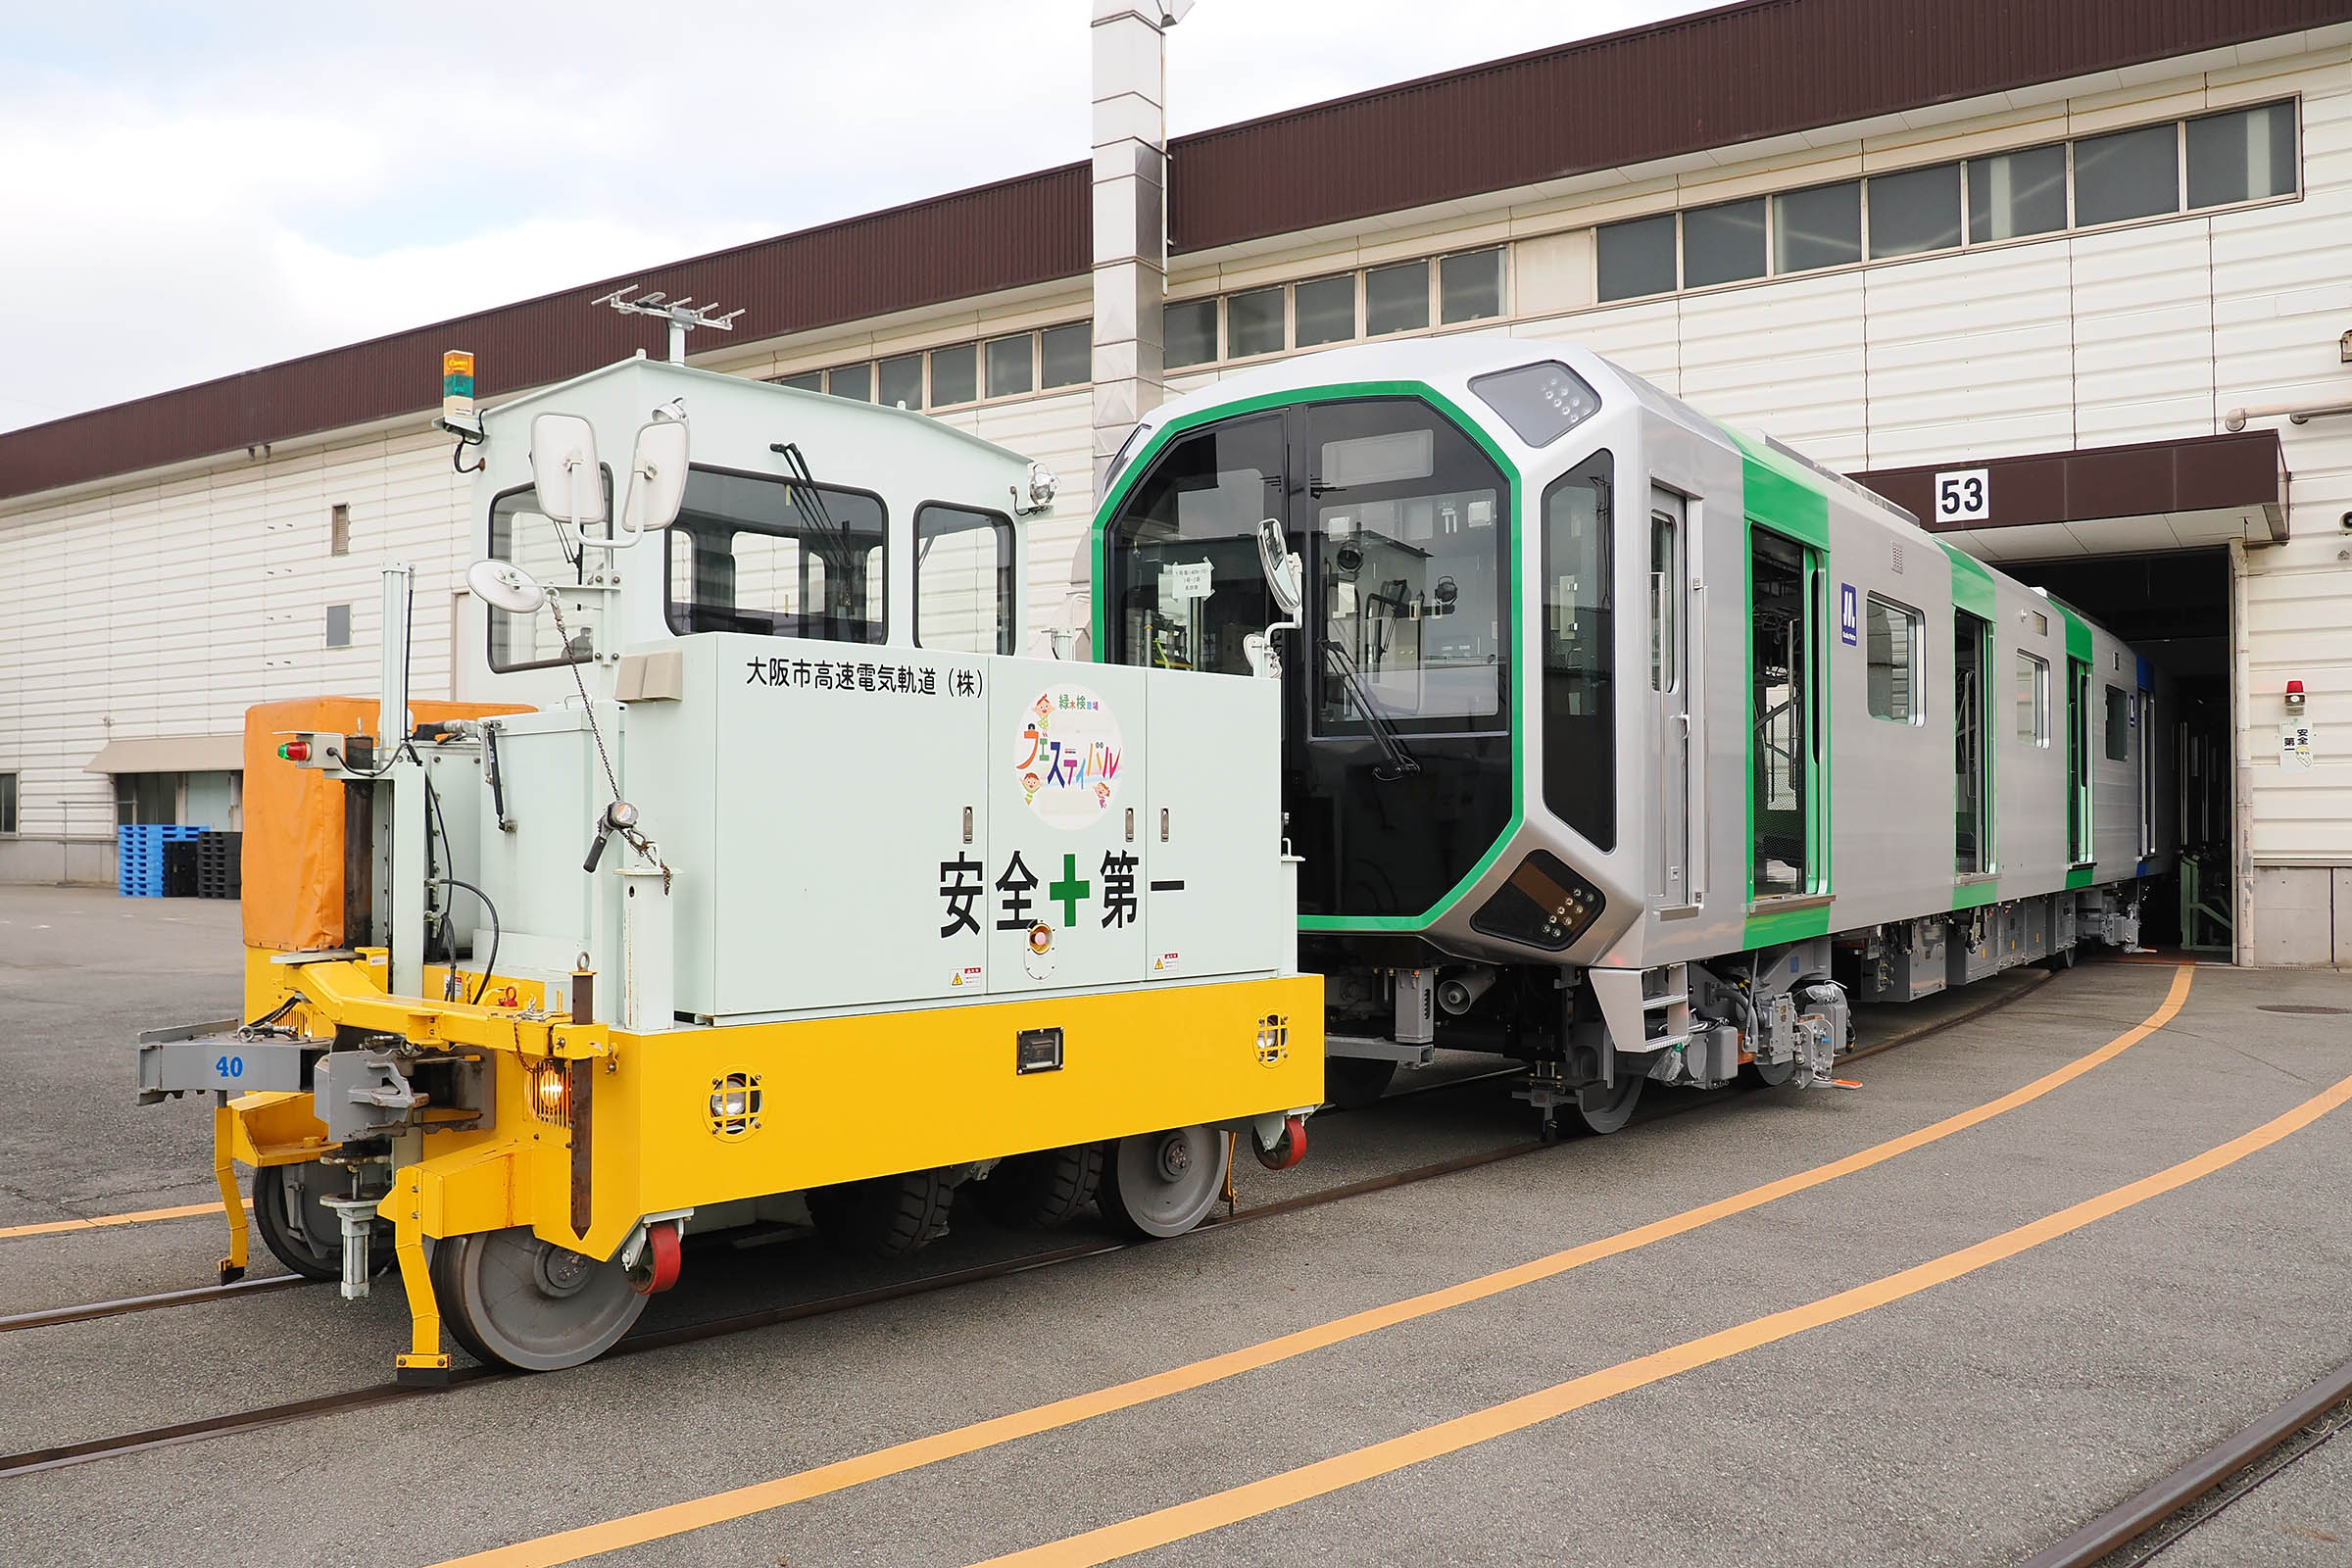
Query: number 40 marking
<point x="230" y="1066"/>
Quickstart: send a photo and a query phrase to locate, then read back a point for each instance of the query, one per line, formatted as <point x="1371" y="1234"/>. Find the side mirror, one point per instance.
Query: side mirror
<point x="503" y="585"/>
<point x="1281" y="566"/>
<point x="563" y="469"/>
<point x="657" y="478"/>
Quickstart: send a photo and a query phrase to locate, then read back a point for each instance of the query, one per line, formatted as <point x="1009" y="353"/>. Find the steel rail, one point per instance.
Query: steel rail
<point x="46" y="1316"/>
<point x="2136" y="1516"/>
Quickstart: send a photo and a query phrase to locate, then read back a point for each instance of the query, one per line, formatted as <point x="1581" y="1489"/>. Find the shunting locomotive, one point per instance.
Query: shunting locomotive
<point x="1616" y="739"/>
<point x="754" y="882"/>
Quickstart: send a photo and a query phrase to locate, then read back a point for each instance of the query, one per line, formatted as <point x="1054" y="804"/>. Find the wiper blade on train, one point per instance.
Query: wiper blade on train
<point x="1401" y="760"/>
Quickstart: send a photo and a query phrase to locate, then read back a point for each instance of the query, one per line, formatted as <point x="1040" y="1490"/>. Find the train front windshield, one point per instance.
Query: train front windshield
<point x="1398" y="772"/>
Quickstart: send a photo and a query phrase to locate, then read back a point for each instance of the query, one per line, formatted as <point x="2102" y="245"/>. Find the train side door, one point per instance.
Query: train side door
<point x="1669" y="686"/>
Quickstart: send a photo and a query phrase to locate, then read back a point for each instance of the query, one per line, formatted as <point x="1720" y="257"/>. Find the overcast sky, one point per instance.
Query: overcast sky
<point x="193" y="189"/>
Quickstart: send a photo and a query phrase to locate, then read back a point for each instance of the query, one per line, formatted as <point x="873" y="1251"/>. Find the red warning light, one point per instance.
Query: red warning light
<point x="295" y="751"/>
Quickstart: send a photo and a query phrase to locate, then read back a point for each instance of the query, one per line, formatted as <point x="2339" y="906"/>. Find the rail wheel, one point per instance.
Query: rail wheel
<point x="1163" y="1184"/>
<point x="1610" y="1109"/>
<point x="289" y="1209"/>
<point x="1353" y="1082"/>
<point x="514" y="1300"/>
<point x="1769" y="1074"/>
<point x="889" y="1216"/>
<point x="1039" y="1191"/>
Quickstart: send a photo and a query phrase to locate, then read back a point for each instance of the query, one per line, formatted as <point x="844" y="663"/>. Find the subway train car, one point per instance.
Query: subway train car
<point x="1617" y="740"/>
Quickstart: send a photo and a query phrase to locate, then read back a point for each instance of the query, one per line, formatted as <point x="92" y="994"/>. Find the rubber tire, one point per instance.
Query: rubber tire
<point x="888" y="1216"/>
<point x="1353" y="1082"/>
<point x="291" y="1246"/>
<point x="1042" y="1191"/>
<point x="451" y="1256"/>
<point x="1124" y="1209"/>
<point x="1611" y="1118"/>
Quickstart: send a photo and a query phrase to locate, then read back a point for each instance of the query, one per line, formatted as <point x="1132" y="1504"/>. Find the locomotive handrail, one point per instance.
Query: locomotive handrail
<point x="346" y="993"/>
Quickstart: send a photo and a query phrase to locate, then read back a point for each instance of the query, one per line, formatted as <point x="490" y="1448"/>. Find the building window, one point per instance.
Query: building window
<point x="2130" y="174"/>
<point x="1723" y="244"/>
<point x="8" y="804"/>
<point x="1012" y="366"/>
<point x="1637" y="258"/>
<point x="1818" y="228"/>
<point x="1891" y="634"/>
<point x="2016" y="194"/>
<point x="1470" y="287"/>
<point x="1918" y="209"/>
<point x="1254" y="324"/>
<point x="853" y="381"/>
<point x="1066" y="355"/>
<point x="1188" y="332"/>
<point x="806" y="381"/>
<point x="898" y="382"/>
<point x="2119" y="725"/>
<point x="338" y="625"/>
<point x="2033" y="701"/>
<point x="963" y="580"/>
<point x="1326" y="309"/>
<point x="955" y="375"/>
<point x="2245" y="156"/>
<point x="1397" y="298"/>
<point x="338" y="529"/>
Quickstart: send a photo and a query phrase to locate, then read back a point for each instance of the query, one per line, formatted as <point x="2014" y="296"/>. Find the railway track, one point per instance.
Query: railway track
<point x="63" y="1455"/>
<point x="2143" y="1526"/>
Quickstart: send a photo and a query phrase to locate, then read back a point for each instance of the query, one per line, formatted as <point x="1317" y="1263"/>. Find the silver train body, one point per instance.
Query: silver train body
<point x="1619" y="740"/>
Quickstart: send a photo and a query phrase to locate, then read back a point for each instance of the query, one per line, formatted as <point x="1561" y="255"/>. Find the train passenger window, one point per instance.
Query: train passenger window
<point x="963" y="580"/>
<point x="2119" y="725"/>
<point x="521" y="534"/>
<point x="1580" y="694"/>
<point x="1185" y="549"/>
<point x="1408" y="567"/>
<point x="777" y="558"/>
<point x="1891" y="632"/>
<point x="2033" y="701"/>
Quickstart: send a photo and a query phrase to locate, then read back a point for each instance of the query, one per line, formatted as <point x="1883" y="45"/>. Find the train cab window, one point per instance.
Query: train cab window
<point x="2033" y="699"/>
<point x="777" y="558"/>
<point x="523" y="534"/>
<point x="1891" y="634"/>
<point x="1185" y="546"/>
<point x="2118" y="714"/>
<point x="1579" y="692"/>
<point x="963" y="580"/>
<point x="1408" y="568"/>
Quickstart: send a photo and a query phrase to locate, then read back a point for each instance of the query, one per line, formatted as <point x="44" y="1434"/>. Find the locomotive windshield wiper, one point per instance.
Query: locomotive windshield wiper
<point x="1401" y="760"/>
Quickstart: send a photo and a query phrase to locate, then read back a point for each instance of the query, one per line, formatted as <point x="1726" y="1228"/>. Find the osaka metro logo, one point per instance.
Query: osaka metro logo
<point x="1068" y="756"/>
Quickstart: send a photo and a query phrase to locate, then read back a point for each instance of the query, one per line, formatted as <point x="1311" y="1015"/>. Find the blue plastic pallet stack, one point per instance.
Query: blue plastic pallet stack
<point x="139" y="857"/>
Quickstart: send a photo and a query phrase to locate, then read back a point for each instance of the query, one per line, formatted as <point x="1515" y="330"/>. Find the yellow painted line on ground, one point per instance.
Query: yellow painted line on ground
<point x="677" y="1518"/>
<point x="58" y="1227"/>
<point x="1189" y="1519"/>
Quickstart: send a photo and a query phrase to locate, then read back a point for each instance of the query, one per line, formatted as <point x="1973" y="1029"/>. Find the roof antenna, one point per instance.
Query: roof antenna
<point x="682" y="314"/>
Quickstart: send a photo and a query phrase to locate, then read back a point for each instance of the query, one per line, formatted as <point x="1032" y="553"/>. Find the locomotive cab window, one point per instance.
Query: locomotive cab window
<point x="962" y="579"/>
<point x="521" y="533"/>
<point x="1190" y="588"/>
<point x="1579" y="692"/>
<point x="777" y="558"/>
<point x="1891" y="633"/>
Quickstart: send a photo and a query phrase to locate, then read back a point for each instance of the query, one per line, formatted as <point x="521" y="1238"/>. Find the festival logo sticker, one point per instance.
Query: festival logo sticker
<point x="1068" y="757"/>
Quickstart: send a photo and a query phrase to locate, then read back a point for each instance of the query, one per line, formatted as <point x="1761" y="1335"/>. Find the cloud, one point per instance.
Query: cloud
<point x="198" y="192"/>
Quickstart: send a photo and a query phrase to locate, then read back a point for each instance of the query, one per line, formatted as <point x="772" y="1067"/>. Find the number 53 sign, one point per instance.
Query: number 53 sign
<point x="1962" y="496"/>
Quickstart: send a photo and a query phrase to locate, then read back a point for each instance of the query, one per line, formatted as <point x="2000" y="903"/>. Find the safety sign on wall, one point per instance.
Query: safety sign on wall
<point x="2295" y="743"/>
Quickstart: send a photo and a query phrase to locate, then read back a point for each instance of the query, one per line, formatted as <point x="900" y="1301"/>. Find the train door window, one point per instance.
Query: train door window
<point x="1580" y="706"/>
<point x="1185" y="542"/>
<point x="2119" y="725"/>
<point x="777" y="558"/>
<point x="1665" y="602"/>
<point x="1781" y="714"/>
<point x="521" y="533"/>
<point x="2144" y="712"/>
<point x="1891" y="635"/>
<point x="2078" y="761"/>
<point x="1671" y="710"/>
<point x="963" y="580"/>
<point x="1972" y="756"/>
<point x="2033" y="699"/>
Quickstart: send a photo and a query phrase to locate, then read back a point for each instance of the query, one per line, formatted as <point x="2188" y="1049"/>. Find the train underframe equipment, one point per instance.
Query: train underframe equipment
<point x="752" y="881"/>
<point x="1618" y="741"/>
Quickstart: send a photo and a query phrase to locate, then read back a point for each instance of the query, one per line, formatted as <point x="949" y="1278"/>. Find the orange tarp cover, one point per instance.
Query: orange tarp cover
<point x="293" y="852"/>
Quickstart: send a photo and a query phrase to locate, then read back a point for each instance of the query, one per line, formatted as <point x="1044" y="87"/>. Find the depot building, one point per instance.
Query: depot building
<point x="2073" y="293"/>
